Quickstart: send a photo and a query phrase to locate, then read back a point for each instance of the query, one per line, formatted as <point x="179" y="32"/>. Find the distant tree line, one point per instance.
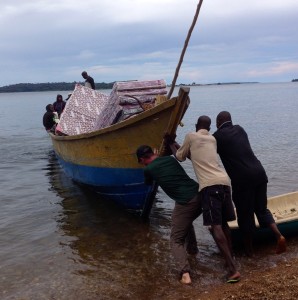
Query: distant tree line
<point x="294" y="80"/>
<point x="49" y="86"/>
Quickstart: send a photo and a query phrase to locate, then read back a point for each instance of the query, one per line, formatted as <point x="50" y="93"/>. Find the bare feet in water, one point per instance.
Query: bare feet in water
<point x="281" y="245"/>
<point x="185" y="279"/>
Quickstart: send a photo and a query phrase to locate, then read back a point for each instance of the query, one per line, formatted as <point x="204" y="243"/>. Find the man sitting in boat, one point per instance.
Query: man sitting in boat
<point x="50" y="118"/>
<point x="59" y="105"/>
<point x="167" y="172"/>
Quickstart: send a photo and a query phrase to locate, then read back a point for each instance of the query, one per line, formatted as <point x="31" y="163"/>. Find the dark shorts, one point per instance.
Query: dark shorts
<point x="217" y="205"/>
<point x="250" y="200"/>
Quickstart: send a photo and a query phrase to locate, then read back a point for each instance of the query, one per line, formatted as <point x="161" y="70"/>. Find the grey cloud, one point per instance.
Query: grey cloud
<point x="54" y="45"/>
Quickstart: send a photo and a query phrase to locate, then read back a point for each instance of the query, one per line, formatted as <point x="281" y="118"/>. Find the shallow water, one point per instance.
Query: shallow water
<point x="59" y="241"/>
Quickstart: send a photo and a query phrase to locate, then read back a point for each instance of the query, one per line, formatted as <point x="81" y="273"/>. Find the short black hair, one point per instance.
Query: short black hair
<point x="222" y="117"/>
<point x="48" y="107"/>
<point x="203" y="122"/>
<point x="144" y="151"/>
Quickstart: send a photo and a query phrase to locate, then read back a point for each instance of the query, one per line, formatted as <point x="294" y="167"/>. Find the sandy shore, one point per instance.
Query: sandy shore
<point x="280" y="282"/>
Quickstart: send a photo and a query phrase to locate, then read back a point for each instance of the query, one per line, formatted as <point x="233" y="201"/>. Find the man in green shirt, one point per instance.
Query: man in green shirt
<point x="167" y="172"/>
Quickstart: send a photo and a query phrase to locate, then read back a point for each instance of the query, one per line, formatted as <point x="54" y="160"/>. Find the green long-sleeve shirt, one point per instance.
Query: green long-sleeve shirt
<point x="172" y="178"/>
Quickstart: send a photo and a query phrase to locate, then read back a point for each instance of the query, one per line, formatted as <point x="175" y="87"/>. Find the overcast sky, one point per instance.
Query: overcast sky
<point x="114" y="40"/>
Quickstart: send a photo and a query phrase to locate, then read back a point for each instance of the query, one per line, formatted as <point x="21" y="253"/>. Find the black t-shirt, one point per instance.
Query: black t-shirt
<point x="237" y="156"/>
<point x="91" y="81"/>
<point x="59" y="106"/>
<point x="48" y="120"/>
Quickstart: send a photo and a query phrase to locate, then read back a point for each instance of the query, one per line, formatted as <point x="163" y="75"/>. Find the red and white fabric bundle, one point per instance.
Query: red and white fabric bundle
<point x="81" y="111"/>
<point x="88" y="110"/>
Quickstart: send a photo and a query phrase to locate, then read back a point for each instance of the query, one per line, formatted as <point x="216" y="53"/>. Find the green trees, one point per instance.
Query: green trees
<point x="54" y="86"/>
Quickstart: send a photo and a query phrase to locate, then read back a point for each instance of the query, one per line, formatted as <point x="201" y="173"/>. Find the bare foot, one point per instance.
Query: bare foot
<point x="185" y="279"/>
<point x="234" y="278"/>
<point x="281" y="245"/>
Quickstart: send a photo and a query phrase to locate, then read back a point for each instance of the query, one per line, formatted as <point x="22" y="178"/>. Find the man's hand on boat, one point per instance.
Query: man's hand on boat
<point x="169" y="138"/>
<point x="170" y="144"/>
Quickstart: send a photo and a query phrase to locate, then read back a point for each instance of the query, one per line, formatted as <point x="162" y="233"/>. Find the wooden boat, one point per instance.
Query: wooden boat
<point x="285" y="212"/>
<point x="105" y="159"/>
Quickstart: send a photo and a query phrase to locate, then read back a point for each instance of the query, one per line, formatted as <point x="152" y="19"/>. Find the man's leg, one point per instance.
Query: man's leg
<point x="224" y="247"/>
<point x="281" y="246"/>
<point x="217" y="210"/>
<point x="227" y="232"/>
<point x="265" y="217"/>
<point x="228" y="214"/>
<point x="191" y="242"/>
<point x="243" y="199"/>
<point x="182" y="218"/>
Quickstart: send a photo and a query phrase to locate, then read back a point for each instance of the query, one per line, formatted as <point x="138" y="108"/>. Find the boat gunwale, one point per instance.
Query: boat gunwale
<point x="283" y="195"/>
<point x="279" y="221"/>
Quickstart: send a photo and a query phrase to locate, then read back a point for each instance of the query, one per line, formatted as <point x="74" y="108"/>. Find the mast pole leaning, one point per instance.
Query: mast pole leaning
<point x="184" y="49"/>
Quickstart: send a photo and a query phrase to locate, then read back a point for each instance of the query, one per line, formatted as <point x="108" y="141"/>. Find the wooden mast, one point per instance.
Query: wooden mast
<point x="184" y="49"/>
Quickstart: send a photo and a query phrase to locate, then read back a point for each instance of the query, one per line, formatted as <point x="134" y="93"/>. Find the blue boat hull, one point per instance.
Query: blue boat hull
<point x="124" y="186"/>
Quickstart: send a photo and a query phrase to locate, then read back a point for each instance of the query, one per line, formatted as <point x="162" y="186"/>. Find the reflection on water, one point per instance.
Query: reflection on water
<point x="117" y="255"/>
<point x="59" y="241"/>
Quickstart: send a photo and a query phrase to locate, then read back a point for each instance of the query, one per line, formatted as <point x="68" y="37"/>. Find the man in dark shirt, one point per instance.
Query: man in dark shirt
<point x="248" y="179"/>
<point x="59" y="105"/>
<point x="89" y="81"/>
<point x="167" y="172"/>
<point x="49" y="118"/>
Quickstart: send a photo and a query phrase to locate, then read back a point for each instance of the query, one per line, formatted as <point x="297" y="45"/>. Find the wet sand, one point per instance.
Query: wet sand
<point x="275" y="279"/>
<point x="279" y="282"/>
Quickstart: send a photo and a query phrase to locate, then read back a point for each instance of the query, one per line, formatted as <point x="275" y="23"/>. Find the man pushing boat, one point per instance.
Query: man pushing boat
<point x="172" y="178"/>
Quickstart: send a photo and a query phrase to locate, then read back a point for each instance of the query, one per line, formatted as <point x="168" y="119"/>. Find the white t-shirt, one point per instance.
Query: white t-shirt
<point x="202" y="148"/>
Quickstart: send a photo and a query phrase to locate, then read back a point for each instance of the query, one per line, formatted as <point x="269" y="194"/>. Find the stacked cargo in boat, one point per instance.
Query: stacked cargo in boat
<point x="89" y="110"/>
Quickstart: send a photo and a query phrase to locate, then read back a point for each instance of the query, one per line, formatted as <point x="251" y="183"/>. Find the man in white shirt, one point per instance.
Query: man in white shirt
<point x="214" y="186"/>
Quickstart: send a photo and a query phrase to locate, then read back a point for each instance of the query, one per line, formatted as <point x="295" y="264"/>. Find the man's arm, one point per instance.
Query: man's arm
<point x="173" y="145"/>
<point x="148" y="180"/>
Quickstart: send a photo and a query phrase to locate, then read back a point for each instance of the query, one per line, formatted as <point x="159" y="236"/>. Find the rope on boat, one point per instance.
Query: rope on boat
<point x="184" y="49"/>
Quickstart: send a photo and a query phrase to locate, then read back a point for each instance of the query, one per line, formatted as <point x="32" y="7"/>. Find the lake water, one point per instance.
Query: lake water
<point x="59" y="241"/>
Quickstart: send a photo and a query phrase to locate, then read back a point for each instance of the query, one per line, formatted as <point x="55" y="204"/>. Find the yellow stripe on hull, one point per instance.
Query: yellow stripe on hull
<point x="115" y="146"/>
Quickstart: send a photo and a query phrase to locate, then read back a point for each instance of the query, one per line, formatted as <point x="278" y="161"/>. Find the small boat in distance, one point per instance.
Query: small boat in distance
<point x="284" y="209"/>
<point x="105" y="159"/>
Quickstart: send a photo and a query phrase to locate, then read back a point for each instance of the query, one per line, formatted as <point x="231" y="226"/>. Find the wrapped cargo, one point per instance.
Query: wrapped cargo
<point x="81" y="111"/>
<point x="89" y="110"/>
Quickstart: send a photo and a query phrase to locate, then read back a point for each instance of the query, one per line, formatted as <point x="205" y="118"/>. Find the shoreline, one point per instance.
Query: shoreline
<point x="279" y="282"/>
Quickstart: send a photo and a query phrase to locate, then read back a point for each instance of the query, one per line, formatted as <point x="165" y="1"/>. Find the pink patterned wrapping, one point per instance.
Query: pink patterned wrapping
<point x="81" y="111"/>
<point x="108" y="114"/>
<point x="140" y="85"/>
<point x="88" y="110"/>
<point x="144" y="91"/>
